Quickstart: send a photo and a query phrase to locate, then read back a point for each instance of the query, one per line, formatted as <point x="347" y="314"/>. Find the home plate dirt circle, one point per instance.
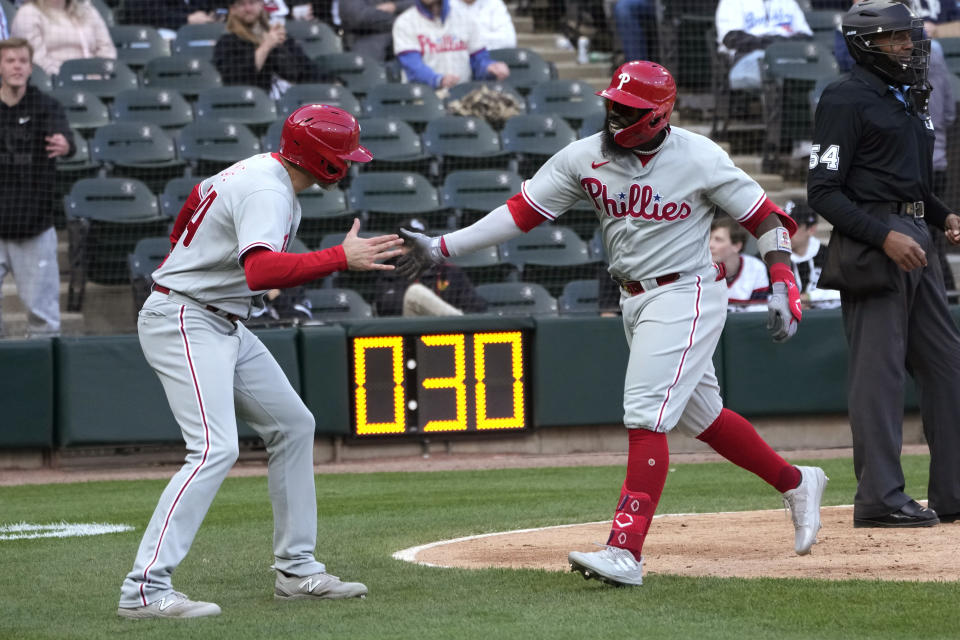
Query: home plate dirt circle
<point x="747" y="544"/>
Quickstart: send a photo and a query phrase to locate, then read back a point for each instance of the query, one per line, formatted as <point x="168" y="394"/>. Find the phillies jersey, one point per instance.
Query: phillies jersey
<point x="444" y="45"/>
<point x="654" y="219"/>
<point x="249" y="204"/>
<point x="750" y="288"/>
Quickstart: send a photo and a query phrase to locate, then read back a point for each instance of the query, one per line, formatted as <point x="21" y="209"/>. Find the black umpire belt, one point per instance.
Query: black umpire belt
<point x="232" y="317"/>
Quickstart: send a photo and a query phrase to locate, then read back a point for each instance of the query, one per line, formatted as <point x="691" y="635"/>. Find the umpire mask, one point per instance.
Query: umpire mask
<point x="876" y="32"/>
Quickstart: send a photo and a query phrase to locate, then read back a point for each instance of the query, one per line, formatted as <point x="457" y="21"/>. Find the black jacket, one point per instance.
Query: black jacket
<point x="234" y="59"/>
<point x="26" y="187"/>
<point x="164" y="14"/>
<point x="446" y="280"/>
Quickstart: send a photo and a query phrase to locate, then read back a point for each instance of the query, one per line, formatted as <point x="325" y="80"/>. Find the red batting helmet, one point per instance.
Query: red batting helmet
<point x="642" y="85"/>
<point x="320" y="139"/>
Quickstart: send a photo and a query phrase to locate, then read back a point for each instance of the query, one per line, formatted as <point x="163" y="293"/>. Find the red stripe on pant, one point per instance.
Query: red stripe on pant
<point x="206" y="450"/>
<point x="693" y="330"/>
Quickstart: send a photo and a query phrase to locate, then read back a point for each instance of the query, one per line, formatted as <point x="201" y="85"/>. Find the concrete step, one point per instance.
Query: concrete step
<point x="539" y="41"/>
<point x="769" y="181"/>
<point x="106" y="309"/>
<point x="589" y="72"/>
<point x="522" y="25"/>
<point x="751" y="164"/>
<point x="15" y="325"/>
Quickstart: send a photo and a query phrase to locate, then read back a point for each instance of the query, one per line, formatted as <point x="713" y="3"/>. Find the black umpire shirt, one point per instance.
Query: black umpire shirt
<point x="26" y="173"/>
<point x="869" y="147"/>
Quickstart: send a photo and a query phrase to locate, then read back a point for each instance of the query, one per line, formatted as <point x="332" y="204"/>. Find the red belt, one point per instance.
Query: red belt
<point x="232" y="317"/>
<point x="633" y="287"/>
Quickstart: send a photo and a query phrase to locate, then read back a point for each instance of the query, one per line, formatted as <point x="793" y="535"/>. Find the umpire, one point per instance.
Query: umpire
<point x="870" y="175"/>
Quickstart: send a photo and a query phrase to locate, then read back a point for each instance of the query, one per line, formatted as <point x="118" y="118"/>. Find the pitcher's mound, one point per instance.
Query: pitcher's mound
<point x="746" y="544"/>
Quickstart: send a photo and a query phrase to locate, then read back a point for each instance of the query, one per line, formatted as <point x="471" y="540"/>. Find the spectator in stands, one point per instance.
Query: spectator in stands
<point x="635" y="20"/>
<point x="33" y="134"/>
<point x="368" y="26"/>
<point x="60" y="30"/>
<point x="748" y="285"/>
<point x="941" y="18"/>
<point x="168" y="14"/>
<point x="443" y="290"/>
<point x="808" y="256"/>
<point x="257" y="52"/>
<point x="493" y="21"/>
<point x="438" y="44"/>
<point x="745" y="28"/>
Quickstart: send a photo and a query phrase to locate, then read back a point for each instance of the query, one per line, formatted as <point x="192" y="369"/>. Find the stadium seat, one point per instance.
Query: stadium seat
<point x="580" y="297"/>
<point x="331" y="305"/>
<point x="147" y="255"/>
<point x="198" y="39"/>
<point x="951" y="53"/>
<point x="246" y="105"/>
<point x="188" y="74"/>
<point x="394" y="144"/>
<point x="138" y="44"/>
<point x="395" y="194"/>
<point x="105" y="219"/>
<point x="102" y="77"/>
<point x="40" y="79"/>
<point x="314" y="37"/>
<point x="462" y="142"/>
<point x="138" y="150"/>
<point x="483" y="266"/>
<point x="323" y="211"/>
<point x="414" y="103"/>
<point x="333" y="94"/>
<point x="532" y="138"/>
<point x="551" y="255"/>
<point x="572" y="100"/>
<point x="175" y="194"/>
<point x="592" y="124"/>
<point x="527" y="68"/>
<point x="475" y="193"/>
<point x="213" y="145"/>
<point x="163" y="107"/>
<point x="791" y="70"/>
<point x="271" y="139"/>
<point x="85" y="111"/>
<point x="517" y="298"/>
<point x="824" y="23"/>
<point x="358" y="73"/>
<point x="71" y="169"/>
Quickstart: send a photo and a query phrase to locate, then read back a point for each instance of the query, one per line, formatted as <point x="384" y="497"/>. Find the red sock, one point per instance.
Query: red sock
<point x="733" y="437"/>
<point x="648" y="459"/>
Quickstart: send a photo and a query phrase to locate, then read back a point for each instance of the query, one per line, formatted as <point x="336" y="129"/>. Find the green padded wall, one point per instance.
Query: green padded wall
<point x="107" y="393"/>
<point x="26" y="393"/>
<point x="323" y="371"/>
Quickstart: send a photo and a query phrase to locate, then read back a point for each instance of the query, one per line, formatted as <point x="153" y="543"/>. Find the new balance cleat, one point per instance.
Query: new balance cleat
<point x="612" y="565"/>
<point x="175" y="605"/>
<point x="316" y="586"/>
<point x="804" y="505"/>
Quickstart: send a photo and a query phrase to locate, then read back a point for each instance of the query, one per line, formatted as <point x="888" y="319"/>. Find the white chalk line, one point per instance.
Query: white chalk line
<point x="28" y="531"/>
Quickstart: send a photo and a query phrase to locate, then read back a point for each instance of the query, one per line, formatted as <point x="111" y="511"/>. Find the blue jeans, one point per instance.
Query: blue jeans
<point x="632" y="17"/>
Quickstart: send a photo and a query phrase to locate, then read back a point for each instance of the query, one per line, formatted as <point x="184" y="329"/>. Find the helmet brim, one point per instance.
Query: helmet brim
<point x="622" y="97"/>
<point x="360" y="154"/>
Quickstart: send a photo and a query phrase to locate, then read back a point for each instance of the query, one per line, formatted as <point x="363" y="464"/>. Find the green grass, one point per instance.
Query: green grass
<point x="68" y="588"/>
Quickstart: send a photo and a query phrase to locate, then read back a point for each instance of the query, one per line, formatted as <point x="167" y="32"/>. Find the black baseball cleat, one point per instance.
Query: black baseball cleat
<point x="912" y="514"/>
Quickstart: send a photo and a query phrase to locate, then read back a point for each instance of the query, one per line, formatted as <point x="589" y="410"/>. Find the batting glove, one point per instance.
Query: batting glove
<point x="423" y="253"/>
<point x="783" y="307"/>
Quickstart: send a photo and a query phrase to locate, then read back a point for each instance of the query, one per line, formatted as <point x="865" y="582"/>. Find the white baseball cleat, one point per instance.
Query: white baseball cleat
<point x="804" y="505"/>
<point x="612" y="565"/>
<point x="316" y="586"/>
<point x="174" y="605"/>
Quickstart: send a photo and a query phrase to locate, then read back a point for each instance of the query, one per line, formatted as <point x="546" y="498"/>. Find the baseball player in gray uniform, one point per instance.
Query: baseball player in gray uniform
<point x="654" y="189"/>
<point x="228" y="248"/>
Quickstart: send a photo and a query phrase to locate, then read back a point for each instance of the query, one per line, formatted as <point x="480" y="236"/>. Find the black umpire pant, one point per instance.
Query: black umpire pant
<point x="908" y="329"/>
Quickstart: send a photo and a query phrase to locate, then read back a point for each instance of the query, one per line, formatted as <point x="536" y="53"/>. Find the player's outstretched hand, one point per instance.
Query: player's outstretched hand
<point x="364" y="254"/>
<point x="421" y="253"/>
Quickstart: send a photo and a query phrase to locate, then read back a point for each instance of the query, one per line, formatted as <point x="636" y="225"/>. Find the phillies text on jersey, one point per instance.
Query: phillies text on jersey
<point x="444" y="44"/>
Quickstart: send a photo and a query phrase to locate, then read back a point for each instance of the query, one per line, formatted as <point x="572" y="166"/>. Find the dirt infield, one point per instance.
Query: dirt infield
<point x="748" y="544"/>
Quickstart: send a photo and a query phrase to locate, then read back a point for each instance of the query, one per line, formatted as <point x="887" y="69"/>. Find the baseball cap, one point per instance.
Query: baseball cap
<point x="801" y="213"/>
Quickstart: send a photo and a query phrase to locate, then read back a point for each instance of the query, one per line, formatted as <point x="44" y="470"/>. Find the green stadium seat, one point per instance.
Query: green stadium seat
<point x="951" y="53"/>
<point x="314" y="37"/>
<point x="483" y="266"/>
<point x="138" y="44"/>
<point x="532" y="138"/>
<point x="592" y="124"/>
<point x="394" y="144"/>
<point x="551" y="255"/>
<point x="246" y="105"/>
<point x="358" y="73"/>
<point x="323" y="211"/>
<point x="572" y="100"/>
<point x="474" y="193"/>
<point x="580" y="297"/>
<point x="271" y="139"/>
<point x="147" y="255"/>
<point x="392" y="195"/>
<point x="186" y="73"/>
<point x="414" y="103"/>
<point x="527" y="68"/>
<point x="163" y="107"/>
<point x="102" y="77"/>
<point x="332" y="305"/>
<point x="332" y="94"/>
<point x="517" y="298"/>
<point x="462" y="142"/>
<point x="175" y="194"/>
<point x="137" y="149"/>
<point x="71" y="169"/>
<point x="85" y="111"/>
<point x="198" y="39"/>
<point x="212" y="145"/>
<point x="40" y="79"/>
